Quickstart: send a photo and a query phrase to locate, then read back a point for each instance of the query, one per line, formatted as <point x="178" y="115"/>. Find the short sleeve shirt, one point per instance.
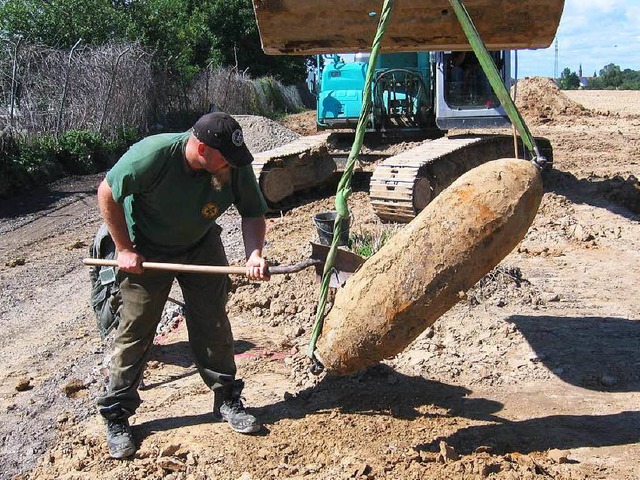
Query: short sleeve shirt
<point x="168" y="206"/>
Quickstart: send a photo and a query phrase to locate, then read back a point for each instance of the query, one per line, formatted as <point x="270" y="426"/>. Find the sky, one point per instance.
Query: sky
<point x="593" y="33"/>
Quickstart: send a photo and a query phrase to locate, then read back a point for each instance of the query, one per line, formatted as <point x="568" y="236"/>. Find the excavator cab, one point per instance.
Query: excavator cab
<point x="411" y="91"/>
<point x="464" y="98"/>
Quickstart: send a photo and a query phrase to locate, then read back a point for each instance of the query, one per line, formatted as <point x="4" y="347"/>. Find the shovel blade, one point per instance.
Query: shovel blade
<point x="345" y="265"/>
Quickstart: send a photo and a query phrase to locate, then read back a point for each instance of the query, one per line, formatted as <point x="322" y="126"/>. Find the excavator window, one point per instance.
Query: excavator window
<point x="466" y="85"/>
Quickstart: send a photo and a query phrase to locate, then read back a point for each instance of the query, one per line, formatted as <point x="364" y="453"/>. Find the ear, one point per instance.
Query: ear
<point x="201" y="147"/>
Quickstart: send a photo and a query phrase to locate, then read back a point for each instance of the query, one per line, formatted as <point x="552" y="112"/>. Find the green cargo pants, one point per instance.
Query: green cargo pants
<point x="144" y="296"/>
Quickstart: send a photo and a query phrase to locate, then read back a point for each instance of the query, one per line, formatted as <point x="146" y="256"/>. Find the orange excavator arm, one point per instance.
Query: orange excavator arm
<point x="304" y="27"/>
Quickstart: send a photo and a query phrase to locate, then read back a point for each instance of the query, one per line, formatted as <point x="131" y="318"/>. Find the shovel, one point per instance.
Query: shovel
<point x="345" y="265"/>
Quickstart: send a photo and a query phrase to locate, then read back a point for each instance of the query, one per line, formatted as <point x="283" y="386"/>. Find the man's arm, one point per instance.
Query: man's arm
<point x="129" y="260"/>
<point x="253" y="234"/>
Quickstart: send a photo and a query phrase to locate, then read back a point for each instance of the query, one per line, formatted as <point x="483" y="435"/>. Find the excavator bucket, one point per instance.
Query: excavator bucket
<point x="303" y="27"/>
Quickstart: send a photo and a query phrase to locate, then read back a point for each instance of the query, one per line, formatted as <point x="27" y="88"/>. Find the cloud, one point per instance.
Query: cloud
<point x="595" y="6"/>
<point x="633" y="15"/>
<point x="592" y="33"/>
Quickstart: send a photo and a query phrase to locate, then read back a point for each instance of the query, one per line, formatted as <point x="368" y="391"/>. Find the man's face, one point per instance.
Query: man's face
<point x="212" y="160"/>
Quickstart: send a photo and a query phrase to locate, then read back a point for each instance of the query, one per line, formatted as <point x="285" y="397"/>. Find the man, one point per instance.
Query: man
<point x="160" y="202"/>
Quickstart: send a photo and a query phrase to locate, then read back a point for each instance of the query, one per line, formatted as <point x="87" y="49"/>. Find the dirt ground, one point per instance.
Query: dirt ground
<point x="534" y="374"/>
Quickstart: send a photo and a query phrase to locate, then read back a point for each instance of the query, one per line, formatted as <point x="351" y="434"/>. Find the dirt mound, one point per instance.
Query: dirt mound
<point x="502" y="286"/>
<point x="541" y="101"/>
<point x="626" y="192"/>
<point x="303" y="123"/>
<point x="290" y="300"/>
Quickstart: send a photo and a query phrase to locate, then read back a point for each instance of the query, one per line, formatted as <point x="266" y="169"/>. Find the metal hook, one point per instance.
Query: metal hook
<point x="316" y="367"/>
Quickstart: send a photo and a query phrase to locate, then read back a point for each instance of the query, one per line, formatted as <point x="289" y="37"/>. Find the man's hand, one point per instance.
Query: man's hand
<point x="253" y="231"/>
<point x="257" y="267"/>
<point x="130" y="261"/>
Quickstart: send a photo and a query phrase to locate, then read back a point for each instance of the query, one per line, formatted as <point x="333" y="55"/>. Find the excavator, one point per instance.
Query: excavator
<point x="430" y="77"/>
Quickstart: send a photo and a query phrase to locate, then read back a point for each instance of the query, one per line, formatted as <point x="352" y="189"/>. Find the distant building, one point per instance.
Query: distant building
<point x="584" y="81"/>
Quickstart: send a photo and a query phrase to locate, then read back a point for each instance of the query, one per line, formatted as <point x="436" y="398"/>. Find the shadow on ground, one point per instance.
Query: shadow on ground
<point x="380" y="390"/>
<point x="51" y="197"/>
<point x="561" y="432"/>
<point x="179" y="354"/>
<point x="617" y="194"/>
<point x="598" y="353"/>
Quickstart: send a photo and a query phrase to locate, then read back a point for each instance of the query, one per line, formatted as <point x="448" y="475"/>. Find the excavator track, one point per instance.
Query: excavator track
<point x="402" y="185"/>
<point x="298" y="165"/>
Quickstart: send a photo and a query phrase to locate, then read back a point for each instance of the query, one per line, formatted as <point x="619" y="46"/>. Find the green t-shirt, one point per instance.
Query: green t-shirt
<point x="168" y="206"/>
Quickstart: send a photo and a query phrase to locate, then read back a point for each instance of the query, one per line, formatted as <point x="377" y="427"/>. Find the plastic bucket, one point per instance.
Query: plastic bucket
<point x="324" y="225"/>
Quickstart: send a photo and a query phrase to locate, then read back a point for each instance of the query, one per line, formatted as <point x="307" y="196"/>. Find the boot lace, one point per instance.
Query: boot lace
<point x="117" y="427"/>
<point x="235" y="405"/>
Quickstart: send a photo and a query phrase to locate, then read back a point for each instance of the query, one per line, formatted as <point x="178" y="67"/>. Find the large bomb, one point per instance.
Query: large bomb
<point x="422" y="271"/>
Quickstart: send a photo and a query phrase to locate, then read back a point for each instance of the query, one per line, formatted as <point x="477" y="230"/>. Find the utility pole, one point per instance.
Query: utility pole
<point x="555" y="65"/>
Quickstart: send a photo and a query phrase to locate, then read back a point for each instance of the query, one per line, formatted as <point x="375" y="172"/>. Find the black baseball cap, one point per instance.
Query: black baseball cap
<point x="220" y="131"/>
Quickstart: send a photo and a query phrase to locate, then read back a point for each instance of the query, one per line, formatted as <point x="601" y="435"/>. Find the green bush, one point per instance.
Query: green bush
<point x="115" y="147"/>
<point x="79" y="151"/>
<point x="36" y="162"/>
<point x="29" y="161"/>
<point x="9" y="150"/>
<point x="273" y="95"/>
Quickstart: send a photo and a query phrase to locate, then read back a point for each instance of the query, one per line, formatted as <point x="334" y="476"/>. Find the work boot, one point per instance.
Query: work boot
<point x="228" y="407"/>
<point x="118" y="431"/>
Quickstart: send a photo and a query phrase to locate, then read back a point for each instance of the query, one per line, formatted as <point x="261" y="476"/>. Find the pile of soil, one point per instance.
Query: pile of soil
<point x="541" y="101"/>
<point x="304" y="122"/>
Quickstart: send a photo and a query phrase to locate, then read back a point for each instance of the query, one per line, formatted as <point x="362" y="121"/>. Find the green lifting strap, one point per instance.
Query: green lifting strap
<point x="491" y="71"/>
<point x="344" y="187"/>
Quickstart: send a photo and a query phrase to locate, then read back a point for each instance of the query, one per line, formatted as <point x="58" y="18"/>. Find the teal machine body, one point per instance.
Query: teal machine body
<point x="411" y="91"/>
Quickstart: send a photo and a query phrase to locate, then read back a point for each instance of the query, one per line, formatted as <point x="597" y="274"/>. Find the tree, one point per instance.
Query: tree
<point x="61" y="23"/>
<point x="189" y="36"/>
<point x="611" y="76"/>
<point x="237" y="42"/>
<point x="569" y="80"/>
<point x="631" y="79"/>
<point x="186" y="35"/>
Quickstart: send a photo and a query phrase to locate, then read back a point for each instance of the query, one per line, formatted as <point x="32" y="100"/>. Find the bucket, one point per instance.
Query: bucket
<point x="324" y="224"/>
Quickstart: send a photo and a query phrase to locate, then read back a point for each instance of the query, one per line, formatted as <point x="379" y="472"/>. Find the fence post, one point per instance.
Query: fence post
<point x="64" y="90"/>
<point x="14" y="82"/>
<point x="113" y="80"/>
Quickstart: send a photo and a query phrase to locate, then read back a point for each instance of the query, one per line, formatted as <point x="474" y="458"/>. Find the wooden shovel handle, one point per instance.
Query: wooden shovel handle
<point x="181" y="267"/>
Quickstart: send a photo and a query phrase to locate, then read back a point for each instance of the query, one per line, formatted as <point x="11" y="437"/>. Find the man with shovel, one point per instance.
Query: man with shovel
<point x="160" y="202"/>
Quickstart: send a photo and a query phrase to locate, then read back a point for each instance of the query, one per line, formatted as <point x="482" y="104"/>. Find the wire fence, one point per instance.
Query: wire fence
<point x="101" y="89"/>
<point x="75" y="111"/>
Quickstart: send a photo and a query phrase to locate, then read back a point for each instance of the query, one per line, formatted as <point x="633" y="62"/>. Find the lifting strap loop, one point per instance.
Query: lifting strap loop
<point x="344" y="187"/>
